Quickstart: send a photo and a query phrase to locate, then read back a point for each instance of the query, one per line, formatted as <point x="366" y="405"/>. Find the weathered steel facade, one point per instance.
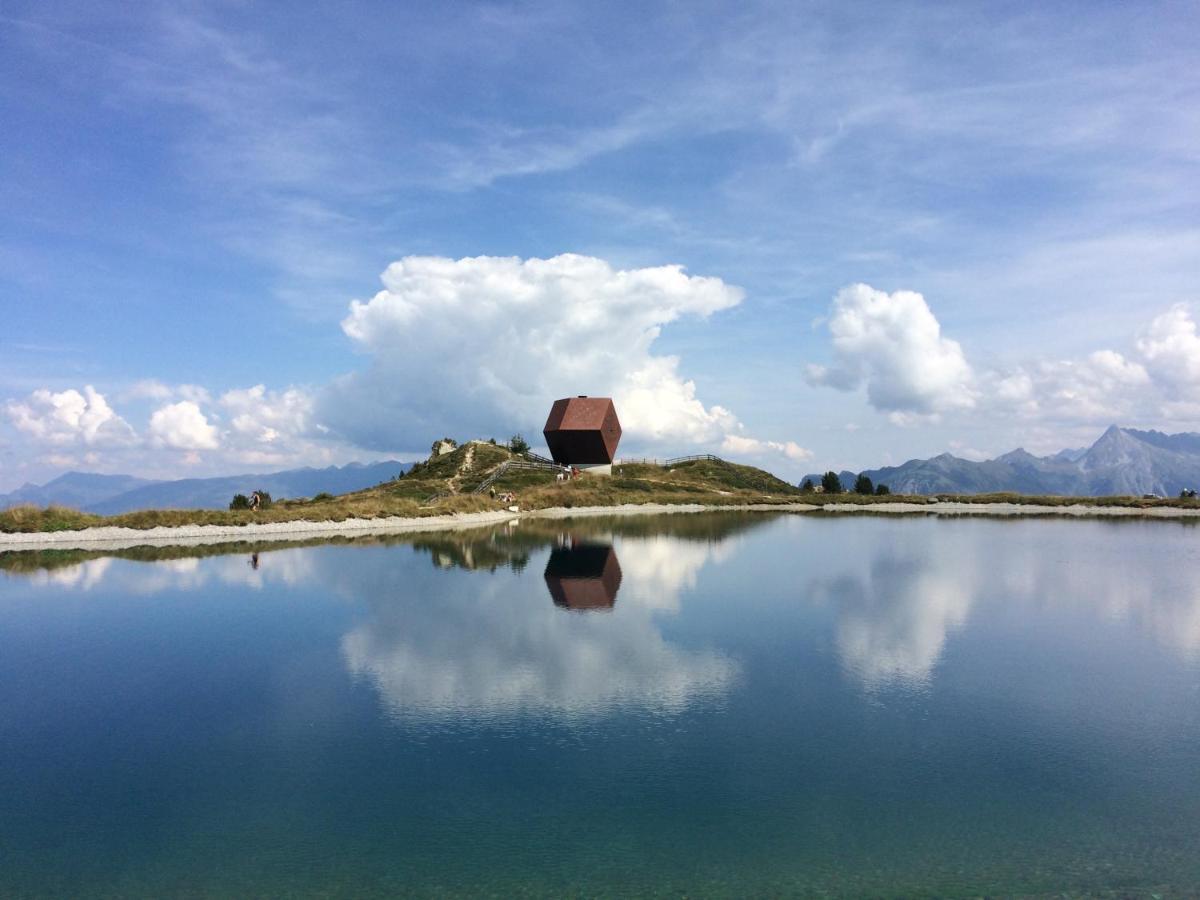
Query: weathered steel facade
<point x="583" y="431"/>
<point x="583" y="576"/>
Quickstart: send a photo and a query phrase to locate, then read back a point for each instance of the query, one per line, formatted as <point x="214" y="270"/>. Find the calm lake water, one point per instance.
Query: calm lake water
<point x="733" y="705"/>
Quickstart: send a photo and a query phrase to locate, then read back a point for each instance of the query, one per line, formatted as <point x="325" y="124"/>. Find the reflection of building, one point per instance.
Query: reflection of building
<point x="583" y="431"/>
<point x="583" y="576"/>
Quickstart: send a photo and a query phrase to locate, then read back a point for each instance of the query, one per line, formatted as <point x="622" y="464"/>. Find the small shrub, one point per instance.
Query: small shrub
<point x="807" y="486"/>
<point x="322" y="497"/>
<point x="882" y="490"/>
<point x="239" y="501"/>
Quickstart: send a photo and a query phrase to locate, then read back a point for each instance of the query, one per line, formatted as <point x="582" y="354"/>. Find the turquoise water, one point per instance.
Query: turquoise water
<point x="729" y="705"/>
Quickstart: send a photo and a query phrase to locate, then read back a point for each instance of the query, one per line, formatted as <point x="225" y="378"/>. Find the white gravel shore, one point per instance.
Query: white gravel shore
<point x="190" y="535"/>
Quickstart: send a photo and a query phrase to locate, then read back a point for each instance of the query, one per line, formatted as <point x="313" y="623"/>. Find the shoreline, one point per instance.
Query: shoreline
<point x="113" y="537"/>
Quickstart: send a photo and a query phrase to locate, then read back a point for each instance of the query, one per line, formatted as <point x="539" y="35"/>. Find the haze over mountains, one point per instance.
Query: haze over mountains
<point x="112" y="494"/>
<point x="1123" y="461"/>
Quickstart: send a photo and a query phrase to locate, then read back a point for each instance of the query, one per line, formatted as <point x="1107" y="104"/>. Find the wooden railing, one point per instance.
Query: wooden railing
<point x="515" y="464"/>
<point x="682" y="459"/>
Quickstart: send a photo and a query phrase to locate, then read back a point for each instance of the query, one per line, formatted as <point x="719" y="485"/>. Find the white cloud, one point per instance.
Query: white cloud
<point x="148" y="389"/>
<point x="893" y="344"/>
<point x="268" y="417"/>
<point x="1171" y="350"/>
<point x="736" y="445"/>
<point x="182" y="426"/>
<point x="69" y="417"/>
<point x="1102" y="387"/>
<point x="471" y="345"/>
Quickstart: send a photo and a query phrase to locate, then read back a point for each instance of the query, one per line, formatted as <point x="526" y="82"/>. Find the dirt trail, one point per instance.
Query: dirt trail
<point x="468" y="464"/>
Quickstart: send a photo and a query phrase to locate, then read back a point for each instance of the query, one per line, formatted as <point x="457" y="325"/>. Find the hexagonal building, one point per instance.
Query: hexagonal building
<point x="583" y="431"/>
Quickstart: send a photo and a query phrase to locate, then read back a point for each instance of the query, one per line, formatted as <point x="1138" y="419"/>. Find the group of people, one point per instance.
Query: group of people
<point x="567" y="473"/>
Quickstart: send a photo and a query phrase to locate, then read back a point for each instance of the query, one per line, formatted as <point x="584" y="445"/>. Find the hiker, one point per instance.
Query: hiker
<point x="255" y="500"/>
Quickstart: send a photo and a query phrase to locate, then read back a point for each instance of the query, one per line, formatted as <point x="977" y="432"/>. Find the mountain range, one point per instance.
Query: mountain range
<point x="112" y="494"/>
<point x="1123" y="461"/>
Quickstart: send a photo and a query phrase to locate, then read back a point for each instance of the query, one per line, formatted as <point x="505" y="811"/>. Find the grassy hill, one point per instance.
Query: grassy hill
<point x="444" y="484"/>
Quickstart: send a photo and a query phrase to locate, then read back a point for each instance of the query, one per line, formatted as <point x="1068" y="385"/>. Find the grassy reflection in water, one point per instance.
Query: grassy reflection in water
<point x="487" y="548"/>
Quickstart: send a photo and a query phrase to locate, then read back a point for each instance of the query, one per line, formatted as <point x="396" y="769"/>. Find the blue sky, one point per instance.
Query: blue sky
<point x="895" y="229"/>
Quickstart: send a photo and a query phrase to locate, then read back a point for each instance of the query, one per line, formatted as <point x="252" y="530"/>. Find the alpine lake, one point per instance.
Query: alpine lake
<point x="715" y="704"/>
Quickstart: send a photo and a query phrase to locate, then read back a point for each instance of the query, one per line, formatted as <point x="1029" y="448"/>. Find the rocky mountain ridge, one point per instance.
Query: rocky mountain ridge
<point x="1123" y="461"/>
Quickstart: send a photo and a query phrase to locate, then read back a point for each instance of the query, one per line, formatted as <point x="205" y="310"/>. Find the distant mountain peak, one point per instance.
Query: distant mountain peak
<point x="108" y="494"/>
<point x="1122" y="461"/>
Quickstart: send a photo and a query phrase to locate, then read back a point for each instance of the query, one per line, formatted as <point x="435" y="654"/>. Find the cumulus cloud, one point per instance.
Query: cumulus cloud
<point x="1171" y="349"/>
<point x="736" y="445"/>
<point x="69" y="417"/>
<point x="268" y="417"/>
<point x="182" y="426"/>
<point x="893" y="344"/>
<point x="1100" y="387"/>
<point x="477" y="344"/>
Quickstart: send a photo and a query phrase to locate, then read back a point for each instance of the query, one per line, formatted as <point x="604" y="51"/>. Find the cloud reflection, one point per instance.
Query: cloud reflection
<point x="500" y="649"/>
<point x="899" y="600"/>
<point x="892" y="622"/>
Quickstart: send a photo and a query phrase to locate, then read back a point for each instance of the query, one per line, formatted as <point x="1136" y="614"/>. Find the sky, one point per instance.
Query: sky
<point x="242" y="236"/>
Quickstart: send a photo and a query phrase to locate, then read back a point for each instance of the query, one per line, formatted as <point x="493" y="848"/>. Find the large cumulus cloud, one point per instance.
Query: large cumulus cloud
<point x="69" y="418"/>
<point x="480" y="345"/>
<point x="893" y="345"/>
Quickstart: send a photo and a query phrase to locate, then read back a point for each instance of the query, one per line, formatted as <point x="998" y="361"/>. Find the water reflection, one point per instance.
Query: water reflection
<point x="893" y="620"/>
<point x="466" y="626"/>
<point x="583" y="575"/>
<point x="499" y="649"/>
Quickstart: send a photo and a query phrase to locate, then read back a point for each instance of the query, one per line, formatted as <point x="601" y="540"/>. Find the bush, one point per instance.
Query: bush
<point x="882" y="490"/>
<point x="831" y="483"/>
<point x="321" y="497"/>
<point x="239" y="501"/>
<point x="807" y="487"/>
<point x="518" y="444"/>
<point x="863" y="485"/>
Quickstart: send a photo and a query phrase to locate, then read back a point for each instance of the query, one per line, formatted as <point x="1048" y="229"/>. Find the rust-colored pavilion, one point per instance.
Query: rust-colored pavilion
<point x="583" y="431"/>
